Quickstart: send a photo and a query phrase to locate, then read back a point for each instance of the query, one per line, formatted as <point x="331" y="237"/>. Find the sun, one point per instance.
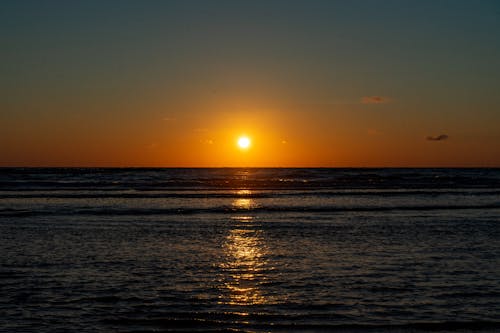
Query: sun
<point x="244" y="142"/>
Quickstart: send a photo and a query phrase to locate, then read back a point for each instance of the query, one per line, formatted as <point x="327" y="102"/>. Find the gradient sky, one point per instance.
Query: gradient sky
<point x="313" y="83"/>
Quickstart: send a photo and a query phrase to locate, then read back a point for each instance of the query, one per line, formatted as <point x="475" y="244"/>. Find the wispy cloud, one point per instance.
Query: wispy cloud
<point x="440" y="137"/>
<point x="207" y="142"/>
<point x="374" y="100"/>
<point x="373" y="131"/>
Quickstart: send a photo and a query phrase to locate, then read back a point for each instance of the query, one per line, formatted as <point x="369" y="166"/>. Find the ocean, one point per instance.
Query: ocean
<point x="249" y="250"/>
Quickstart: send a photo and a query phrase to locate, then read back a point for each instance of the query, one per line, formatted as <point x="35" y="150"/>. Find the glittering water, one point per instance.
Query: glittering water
<point x="143" y="250"/>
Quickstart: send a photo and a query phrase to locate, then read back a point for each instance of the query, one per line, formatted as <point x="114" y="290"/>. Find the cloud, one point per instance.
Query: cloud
<point x="440" y="137"/>
<point x="373" y="131"/>
<point x="374" y="100"/>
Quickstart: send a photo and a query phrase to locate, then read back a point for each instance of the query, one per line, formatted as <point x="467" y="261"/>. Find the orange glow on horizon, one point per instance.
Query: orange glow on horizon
<point x="207" y="135"/>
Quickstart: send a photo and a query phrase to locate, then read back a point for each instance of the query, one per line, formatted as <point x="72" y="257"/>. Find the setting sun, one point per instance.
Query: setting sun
<point x="244" y="142"/>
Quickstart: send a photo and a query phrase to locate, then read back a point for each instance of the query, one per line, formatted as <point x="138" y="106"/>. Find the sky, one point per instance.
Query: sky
<point x="311" y="83"/>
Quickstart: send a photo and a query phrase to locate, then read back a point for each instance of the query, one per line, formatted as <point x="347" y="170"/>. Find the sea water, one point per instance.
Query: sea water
<point x="257" y="250"/>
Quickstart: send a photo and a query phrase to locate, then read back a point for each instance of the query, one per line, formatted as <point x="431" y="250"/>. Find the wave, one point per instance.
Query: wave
<point x="234" y="185"/>
<point x="10" y="212"/>
<point x="150" y="179"/>
<point x="215" y="322"/>
<point x="236" y="195"/>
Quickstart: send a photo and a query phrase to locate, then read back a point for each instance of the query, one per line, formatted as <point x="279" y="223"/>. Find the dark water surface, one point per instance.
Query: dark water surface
<point x="257" y="250"/>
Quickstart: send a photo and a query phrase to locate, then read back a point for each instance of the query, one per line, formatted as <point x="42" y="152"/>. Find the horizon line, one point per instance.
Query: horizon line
<point x="251" y="167"/>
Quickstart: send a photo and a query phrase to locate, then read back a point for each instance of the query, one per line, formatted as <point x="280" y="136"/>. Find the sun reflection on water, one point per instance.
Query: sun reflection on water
<point x="243" y="192"/>
<point x="243" y="203"/>
<point x="245" y="260"/>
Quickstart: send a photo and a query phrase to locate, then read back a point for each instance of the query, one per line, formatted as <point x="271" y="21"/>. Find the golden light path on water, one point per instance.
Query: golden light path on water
<point x="245" y="255"/>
